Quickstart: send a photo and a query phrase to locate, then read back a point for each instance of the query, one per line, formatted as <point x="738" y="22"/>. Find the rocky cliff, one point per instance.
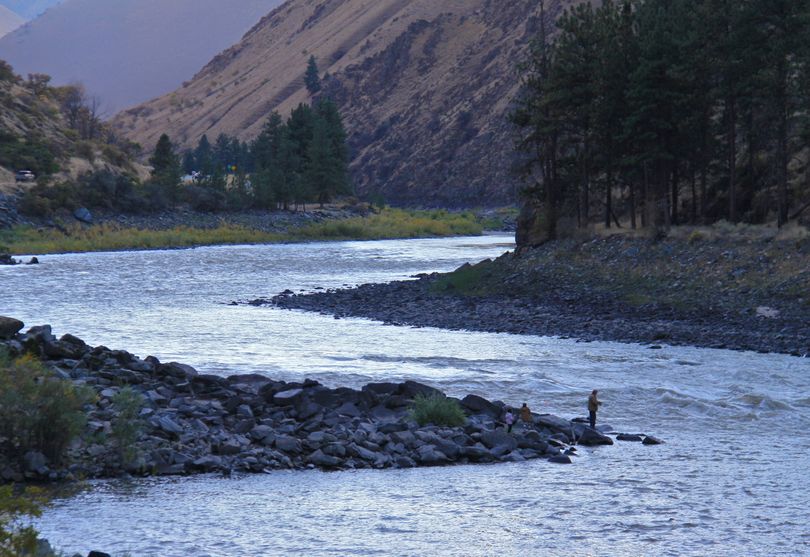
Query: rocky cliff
<point x="424" y="88"/>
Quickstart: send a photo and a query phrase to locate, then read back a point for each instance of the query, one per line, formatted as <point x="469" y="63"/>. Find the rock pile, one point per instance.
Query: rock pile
<point x="193" y="422"/>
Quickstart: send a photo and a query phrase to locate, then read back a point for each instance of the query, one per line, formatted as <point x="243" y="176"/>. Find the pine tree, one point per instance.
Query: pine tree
<point x="166" y="169"/>
<point x="540" y="123"/>
<point x="204" y="157"/>
<point x="311" y="77"/>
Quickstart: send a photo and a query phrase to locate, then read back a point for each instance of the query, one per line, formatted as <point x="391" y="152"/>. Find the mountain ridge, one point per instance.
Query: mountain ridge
<point x="9" y="20"/>
<point x="425" y="90"/>
<point x="128" y="51"/>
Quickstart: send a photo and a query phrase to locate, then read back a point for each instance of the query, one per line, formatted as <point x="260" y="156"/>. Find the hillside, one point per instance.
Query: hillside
<point x="424" y="88"/>
<point x="128" y="51"/>
<point x="9" y="20"/>
<point x="38" y="134"/>
<point x="29" y="9"/>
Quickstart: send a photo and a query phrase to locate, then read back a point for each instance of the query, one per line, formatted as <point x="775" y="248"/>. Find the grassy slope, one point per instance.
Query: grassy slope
<point x="722" y="270"/>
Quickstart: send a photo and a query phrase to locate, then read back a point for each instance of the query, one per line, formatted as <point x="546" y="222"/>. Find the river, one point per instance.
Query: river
<point x="731" y="479"/>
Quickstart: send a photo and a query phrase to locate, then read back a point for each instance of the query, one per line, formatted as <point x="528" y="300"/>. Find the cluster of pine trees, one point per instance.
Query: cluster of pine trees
<point x="658" y="112"/>
<point x="304" y="159"/>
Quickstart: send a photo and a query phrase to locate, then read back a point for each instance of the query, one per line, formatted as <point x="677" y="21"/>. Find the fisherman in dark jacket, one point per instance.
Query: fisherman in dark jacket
<point x="593" y="406"/>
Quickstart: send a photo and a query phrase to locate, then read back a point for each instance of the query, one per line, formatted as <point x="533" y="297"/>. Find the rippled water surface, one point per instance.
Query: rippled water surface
<point x="731" y="480"/>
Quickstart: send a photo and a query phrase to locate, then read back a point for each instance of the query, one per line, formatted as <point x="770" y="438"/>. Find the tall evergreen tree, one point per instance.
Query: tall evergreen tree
<point x="311" y="77"/>
<point x="166" y="169"/>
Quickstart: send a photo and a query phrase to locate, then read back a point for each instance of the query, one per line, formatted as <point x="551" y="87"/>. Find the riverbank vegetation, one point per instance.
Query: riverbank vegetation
<point x="40" y="413"/>
<point x="386" y="224"/>
<point x="653" y="113"/>
<point x="18" y="537"/>
<point x="437" y="409"/>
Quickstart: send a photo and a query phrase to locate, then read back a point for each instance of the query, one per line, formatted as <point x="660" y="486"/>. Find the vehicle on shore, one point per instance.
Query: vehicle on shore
<point x="24" y="176"/>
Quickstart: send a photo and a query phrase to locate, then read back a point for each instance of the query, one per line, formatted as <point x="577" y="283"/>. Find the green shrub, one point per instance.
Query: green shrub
<point x="16" y="537"/>
<point x="126" y="426"/>
<point x="695" y="237"/>
<point x="437" y="409"/>
<point x="38" y="411"/>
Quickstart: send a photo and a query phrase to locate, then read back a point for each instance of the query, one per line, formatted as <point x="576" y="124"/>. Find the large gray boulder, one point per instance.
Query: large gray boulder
<point x="323" y="460"/>
<point x="591" y="438"/>
<point x="288" y="444"/>
<point x="9" y="327"/>
<point x="410" y="389"/>
<point x="499" y="438"/>
<point x="429" y="456"/>
<point x="83" y="214"/>
<point x="479" y="405"/>
<point x="554" y="423"/>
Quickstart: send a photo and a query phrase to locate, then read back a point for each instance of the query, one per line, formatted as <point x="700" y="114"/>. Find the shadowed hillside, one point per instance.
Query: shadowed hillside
<point x="424" y="88"/>
<point x="9" y="20"/>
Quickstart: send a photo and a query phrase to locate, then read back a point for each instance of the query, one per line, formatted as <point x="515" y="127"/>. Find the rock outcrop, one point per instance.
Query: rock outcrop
<point x="194" y="422"/>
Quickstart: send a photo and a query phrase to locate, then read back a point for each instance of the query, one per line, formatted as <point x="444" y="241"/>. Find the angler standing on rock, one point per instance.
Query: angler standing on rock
<point x="526" y="416"/>
<point x="593" y="406"/>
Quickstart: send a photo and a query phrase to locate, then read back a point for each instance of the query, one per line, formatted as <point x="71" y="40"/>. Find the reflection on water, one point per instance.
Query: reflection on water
<point x="731" y="479"/>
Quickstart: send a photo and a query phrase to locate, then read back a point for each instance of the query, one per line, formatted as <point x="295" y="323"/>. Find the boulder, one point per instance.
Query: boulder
<point x="381" y="389"/>
<point x="560" y="459"/>
<point x="335" y="449"/>
<point x="288" y="397"/>
<point x="208" y="463"/>
<point x="35" y="461"/>
<point x="476" y="453"/>
<point x="554" y="423"/>
<point x="479" y="405"/>
<point x="319" y="458"/>
<point x="349" y="409"/>
<point x="650" y="440"/>
<point x="9" y="327"/>
<point x="406" y="437"/>
<point x="40" y="334"/>
<point x="168" y="425"/>
<point x="82" y="214"/>
<point x="498" y="438"/>
<point x="429" y="456"/>
<point x="392" y="427"/>
<point x="404" y="462"/>
<point x="629" y="437"/>
<point x="178" y="370"/>
<point x="532" y="440"/>
<point x="590" y="438"/>
<point x="288" y="444"/>
<point x="410" y="389"/>
<point x="362" y="452"/>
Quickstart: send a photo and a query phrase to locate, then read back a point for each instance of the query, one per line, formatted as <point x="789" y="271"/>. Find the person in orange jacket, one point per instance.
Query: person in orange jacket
<point x="526" y="415"/>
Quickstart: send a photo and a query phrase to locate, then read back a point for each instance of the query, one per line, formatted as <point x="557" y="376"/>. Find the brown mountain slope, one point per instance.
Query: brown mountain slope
<point x="424" y="88"/>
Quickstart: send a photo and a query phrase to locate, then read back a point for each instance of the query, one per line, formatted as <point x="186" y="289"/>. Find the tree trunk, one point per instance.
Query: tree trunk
<point x="608" y="198"/>
<point x="645" y="187"/>
<point x="703" y="195"/>
<point x="632" y="205"/>
<point x="732" y="159"/>
<point x="693" y="206"/>
<point x="675" y="180"/>
<point x="782" y="155"/>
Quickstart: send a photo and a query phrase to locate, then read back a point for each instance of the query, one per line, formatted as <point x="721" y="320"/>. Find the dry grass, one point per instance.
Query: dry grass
<point x="389" y="224"/>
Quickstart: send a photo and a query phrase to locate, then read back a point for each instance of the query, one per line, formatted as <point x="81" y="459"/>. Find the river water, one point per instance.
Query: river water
<point x="732" y="478"/>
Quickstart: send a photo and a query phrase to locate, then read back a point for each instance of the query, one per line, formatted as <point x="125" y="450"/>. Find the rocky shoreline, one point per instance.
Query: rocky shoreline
<point x="198" y="423"/>
<point x="592" y="292"/>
